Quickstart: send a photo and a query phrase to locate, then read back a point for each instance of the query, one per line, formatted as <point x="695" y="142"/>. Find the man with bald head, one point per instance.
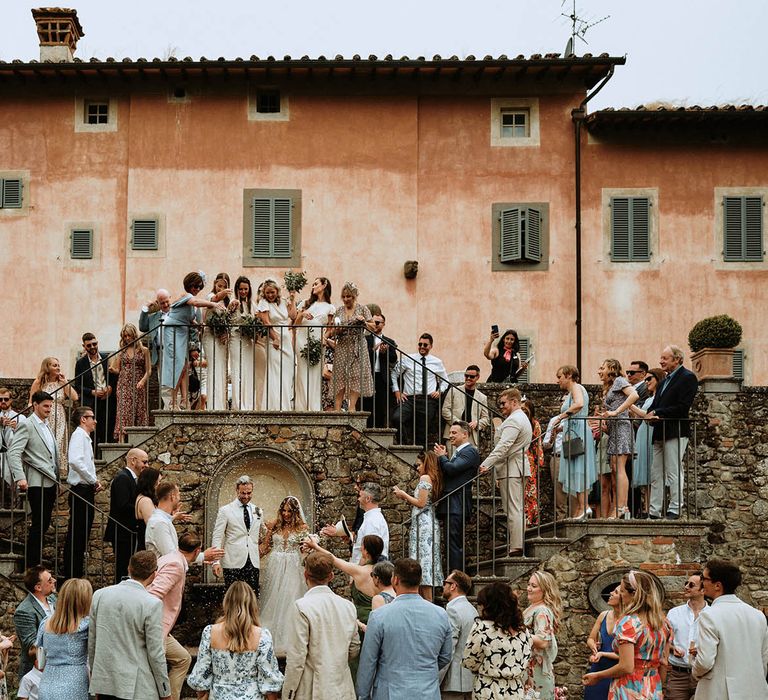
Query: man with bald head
<point x="122" y="525"/>
<point x="152" y="315"/>
<point x="671" y="430"/>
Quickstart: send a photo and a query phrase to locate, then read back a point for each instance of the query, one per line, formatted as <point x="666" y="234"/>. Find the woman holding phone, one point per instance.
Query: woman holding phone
<point x="506" y="363"/>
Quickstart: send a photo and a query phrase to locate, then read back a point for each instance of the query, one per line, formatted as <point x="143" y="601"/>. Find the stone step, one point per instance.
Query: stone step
<point x="139" y="434"/>
<point x="504" y="568"/>
<point x="11" y="563"/>
<point x="110" y="451"/>
<point x="407" y="453"/>
<point x="382" y="436"/>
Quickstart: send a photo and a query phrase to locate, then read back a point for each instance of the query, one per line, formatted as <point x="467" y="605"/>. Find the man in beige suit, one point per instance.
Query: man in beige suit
<point x="508" y="457"/>
<point x="468" y="404"/>
<point x="323" y="639"/>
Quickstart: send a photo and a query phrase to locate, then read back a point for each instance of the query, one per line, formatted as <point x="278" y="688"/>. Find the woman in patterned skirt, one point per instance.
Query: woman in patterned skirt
<point x="424" y="542"/>
<point x="543" y="618"/>
<point x="641" y="638"/>
<point x="499" y="645"/>
<point x="132" y="367"/>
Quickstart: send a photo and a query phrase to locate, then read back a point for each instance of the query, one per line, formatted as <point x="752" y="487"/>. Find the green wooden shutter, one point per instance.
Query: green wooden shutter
<point x="10" y="193"/>
<point x="524" y="376"/>
<point x="742" y="229"/>
<point x="81" y="244"/>
<point x="144" y="235"/>
<point x="533" y="235"/>
<point x="630" y="229"/>
<point x="738" y="364"/>
<point x="510" y="235"/>
<point x="272" y="227"/>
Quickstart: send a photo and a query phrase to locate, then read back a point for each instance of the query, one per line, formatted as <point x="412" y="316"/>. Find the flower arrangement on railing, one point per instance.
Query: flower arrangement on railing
<point x="252" y="327"/>
<point x="295" y="281"/>
<point x="312" y="352"/>
<point x="218" y="322"/>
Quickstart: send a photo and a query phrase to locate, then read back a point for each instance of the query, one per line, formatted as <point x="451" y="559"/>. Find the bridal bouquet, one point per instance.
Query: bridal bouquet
<point x="252" y="327"/>
<point x="218" y="322"/>
<point x="295" y="281"/>
<point x="312" y="352"/>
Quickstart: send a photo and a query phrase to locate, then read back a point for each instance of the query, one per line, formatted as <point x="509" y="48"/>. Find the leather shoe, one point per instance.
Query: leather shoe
<point x="672" y="516"/>
<point x="515" y="552"/>
<point x="642" y="516"/>
<point x="653" y="517"/>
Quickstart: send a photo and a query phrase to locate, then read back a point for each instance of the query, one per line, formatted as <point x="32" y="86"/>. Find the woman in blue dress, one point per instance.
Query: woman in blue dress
<point x="64" y="639"/>
<point x="600" y="643"/>
<point x="577" y="463"/>
<point x="236" y="660"/>
<point x="176" y="331"/>
<point x="424" y="540"/>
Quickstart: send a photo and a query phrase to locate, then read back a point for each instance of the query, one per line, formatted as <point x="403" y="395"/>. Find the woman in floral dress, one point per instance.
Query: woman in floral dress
<point x="641" y="639"/>
<point x="499" y="646"/>
<point x="132" y="367"/>
<point x="282" y="570"/>
<point x="424" y="540"/>
<point x="542" y="616"/>
<point x="236" y="660"/>
<point x="535" y="454"/>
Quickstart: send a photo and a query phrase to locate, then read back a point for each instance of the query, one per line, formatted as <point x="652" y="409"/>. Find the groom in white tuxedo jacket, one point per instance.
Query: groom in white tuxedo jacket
<point x="238" y="527"/>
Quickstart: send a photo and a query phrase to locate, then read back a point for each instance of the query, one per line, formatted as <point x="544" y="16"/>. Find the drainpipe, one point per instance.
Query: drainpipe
<point x="578" y="115"/>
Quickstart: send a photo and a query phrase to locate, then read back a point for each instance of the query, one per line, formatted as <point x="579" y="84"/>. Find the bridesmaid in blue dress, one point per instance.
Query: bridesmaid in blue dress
<point x="64" y="637"/>
<point x="578" y="472"/>
<point x="176" y="334"/>
<point x="600" y="643"/>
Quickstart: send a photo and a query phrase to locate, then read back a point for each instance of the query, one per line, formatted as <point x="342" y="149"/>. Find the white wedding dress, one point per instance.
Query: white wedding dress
<point x="282" y="583"/>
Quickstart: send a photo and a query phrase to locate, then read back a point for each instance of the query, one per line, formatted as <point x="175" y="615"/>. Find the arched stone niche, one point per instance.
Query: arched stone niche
<point x="275" y="476"/>
<point x="604" y="583"/>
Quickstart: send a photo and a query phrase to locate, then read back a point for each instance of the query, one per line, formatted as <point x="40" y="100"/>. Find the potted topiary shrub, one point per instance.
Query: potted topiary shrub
<point x="712" y="341"/>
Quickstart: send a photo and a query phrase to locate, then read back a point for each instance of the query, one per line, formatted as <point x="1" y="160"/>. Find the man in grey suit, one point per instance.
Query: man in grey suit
<point x="456" y="680"/>
<point x="323" y="638"/>
<point x="125" y="639"/>
<point x="33" y="460"/>
<point x="508" y="456"/>
<point x="39" y="604"/>
<point x="408" y="628"/>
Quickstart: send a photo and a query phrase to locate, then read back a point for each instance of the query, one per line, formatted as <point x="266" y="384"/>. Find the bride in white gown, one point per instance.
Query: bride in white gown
<point x="282" y="572"/>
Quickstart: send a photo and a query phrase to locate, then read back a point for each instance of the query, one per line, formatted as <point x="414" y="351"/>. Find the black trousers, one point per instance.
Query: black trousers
<point x="41" y="501"/>
<point x="248" y="573"/>
<point x="456" y="539"/>
<point x="417" y="420"/>
<point x="81" y="513"/>
<point x="124" y="547"/>
<point x="380" y="404"/>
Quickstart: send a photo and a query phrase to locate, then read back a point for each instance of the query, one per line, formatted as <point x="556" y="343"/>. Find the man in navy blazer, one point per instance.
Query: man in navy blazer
<point x="456" y="507"/>
<point x="408" y="628"/>
<point x="382" y="355"/>
<point x="672" y="403"/>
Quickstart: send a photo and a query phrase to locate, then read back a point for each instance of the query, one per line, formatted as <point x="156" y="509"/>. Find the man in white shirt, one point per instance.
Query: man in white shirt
<point x="83" y="487"/>
<point x="34" y="463"/>
<point x="373" y="520"/>
<point x="161" y="537"/>
<point x="417" y="416"/>
<point x="9" y="421"/>
<point x="684" y="621"/>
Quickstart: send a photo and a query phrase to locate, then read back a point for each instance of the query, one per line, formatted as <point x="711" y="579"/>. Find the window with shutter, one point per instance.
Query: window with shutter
<point x="144" y="234"/>
<point x="11" y="193"/>
<point x="520" y="236"/>
<point x="511" y="240"/>
<point x="525" y="347"/>
<point x="630" y="229"/>
<point x="81" y="244"/>
<point x="271" y="227"/>
<point x="738" y="364"/>
<point x="532" y="240"/>
<point x="742" y="229"/>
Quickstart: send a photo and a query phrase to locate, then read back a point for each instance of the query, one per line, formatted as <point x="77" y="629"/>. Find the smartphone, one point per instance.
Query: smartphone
<point x="494" y="328"/>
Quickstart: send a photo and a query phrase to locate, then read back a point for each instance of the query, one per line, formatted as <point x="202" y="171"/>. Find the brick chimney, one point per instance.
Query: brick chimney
<point x="58" y="30"/>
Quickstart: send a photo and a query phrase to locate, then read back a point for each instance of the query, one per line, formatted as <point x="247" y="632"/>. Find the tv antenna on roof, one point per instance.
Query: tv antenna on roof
<point x="579" y="28"/>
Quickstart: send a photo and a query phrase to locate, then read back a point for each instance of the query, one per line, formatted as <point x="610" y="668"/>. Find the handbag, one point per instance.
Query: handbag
<point x="572" y="447"/>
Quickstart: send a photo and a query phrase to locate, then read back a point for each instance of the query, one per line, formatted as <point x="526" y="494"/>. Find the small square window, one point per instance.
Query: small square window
<point x="81" y="244"/>
<point x="96" y="112"/>
<point x="268" y="101"/>
<point x="515" y="123"/>
<point x="145" y="234"/>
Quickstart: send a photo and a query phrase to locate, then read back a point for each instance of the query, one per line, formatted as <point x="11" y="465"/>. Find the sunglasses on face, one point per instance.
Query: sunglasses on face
<point x="470" y="376"/>
<point x="632" y="372"/>
<point x="423" y="345"/>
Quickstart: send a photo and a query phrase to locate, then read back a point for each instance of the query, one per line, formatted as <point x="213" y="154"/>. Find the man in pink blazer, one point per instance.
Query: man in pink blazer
<point x="169" y="587"/>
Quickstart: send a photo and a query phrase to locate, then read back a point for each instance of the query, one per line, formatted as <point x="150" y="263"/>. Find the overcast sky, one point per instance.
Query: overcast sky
<point x="677" y="51"/>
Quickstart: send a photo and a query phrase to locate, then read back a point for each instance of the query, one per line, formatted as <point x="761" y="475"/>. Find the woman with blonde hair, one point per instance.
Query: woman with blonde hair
<point x="63" y="639"/>
<point x="277" y="314"/>
<point x="236" y="660"/>
<point x="50" y="378"/>
<point x="641" y="640"/>
<point x="618" y="396"/>
<point x="132" y="365"/>
<point x="282" y="570"/>
<point x="424" y="537"/>
<point x="542" y="616"/>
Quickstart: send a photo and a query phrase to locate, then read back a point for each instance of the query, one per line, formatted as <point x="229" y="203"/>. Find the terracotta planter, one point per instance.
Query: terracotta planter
<point x="713" y="363"/>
